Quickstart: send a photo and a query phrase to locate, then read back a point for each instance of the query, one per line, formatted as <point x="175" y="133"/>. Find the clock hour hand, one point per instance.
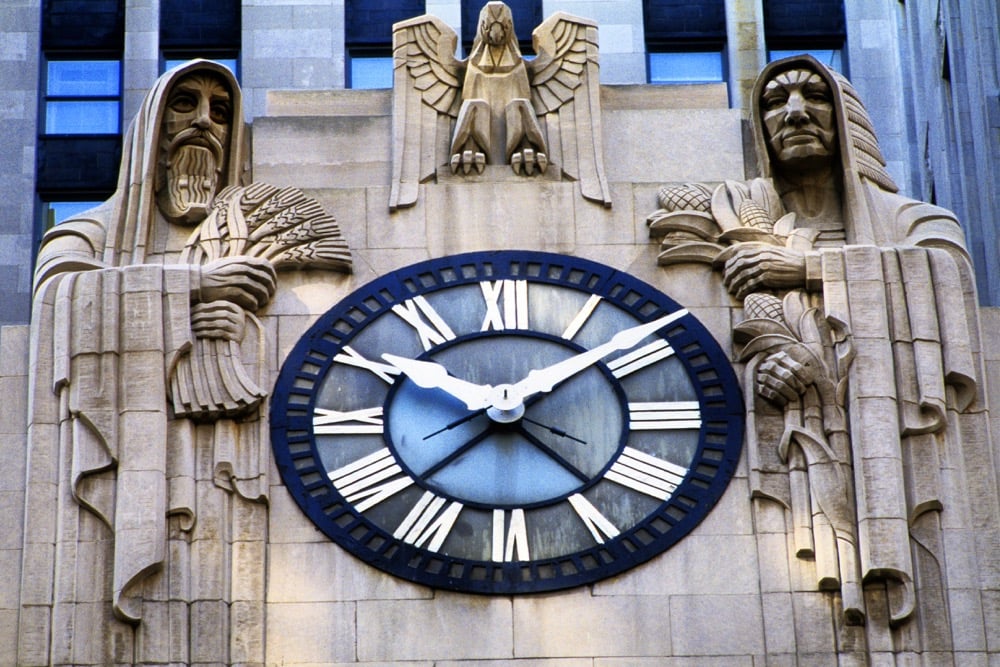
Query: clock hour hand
<point x="432" y="375"/>
<point x="542" y="380"/>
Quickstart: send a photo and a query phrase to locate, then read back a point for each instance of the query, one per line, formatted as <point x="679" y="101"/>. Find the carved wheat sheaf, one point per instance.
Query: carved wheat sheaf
<point x="282" y="225"/>
<point x="290" y="230"/>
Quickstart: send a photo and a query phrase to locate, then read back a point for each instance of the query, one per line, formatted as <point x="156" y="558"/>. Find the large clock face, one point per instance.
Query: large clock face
<point x="506" y="422"/>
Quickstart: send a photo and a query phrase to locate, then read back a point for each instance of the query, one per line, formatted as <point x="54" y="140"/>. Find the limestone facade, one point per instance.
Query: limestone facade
<point x="929" y="126"/>
<point x="146" y="522"/>
<point x="737" y="591"/>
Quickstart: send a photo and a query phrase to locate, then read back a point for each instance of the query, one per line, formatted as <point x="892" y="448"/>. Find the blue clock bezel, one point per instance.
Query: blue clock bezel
<point x="293" y="401"/>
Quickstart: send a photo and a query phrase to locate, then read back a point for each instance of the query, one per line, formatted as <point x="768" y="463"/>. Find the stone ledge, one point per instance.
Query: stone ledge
<point x="659" y="97"/>
<point x="346" y="102"/>
<point x="329" y="102"/>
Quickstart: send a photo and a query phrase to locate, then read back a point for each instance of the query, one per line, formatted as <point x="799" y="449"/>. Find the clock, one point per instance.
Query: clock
<point x="506" y="422"/>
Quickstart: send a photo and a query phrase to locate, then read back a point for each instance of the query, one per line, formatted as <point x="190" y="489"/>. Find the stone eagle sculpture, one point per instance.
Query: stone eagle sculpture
<point x="541" y="116"/>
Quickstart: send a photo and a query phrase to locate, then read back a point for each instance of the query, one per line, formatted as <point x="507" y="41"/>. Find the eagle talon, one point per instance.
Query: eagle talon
<point x="528" y="161"/>
<point x="543" y="162"/>
<point x="466" y="161"/>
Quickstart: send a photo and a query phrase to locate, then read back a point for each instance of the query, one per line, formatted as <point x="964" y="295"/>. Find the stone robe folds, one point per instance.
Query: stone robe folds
<point x="147" y="518"/>
<point x="882" y="462"/>
<point x="902" y="287"/>
<point x="911" y="399"/>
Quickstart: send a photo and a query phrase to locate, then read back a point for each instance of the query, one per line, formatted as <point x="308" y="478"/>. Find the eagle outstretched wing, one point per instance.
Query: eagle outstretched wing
<point x="566" y="96"/>
<point x="427" y="85"/>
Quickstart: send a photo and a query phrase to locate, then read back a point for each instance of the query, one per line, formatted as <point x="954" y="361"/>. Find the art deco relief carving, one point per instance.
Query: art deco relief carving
<point x="150" y="367"/>
<point x="538" y="117"/>
<point x="860" y="339"/>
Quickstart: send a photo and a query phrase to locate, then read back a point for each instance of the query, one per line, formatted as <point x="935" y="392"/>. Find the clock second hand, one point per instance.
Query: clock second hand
<point x="482" y="435"/>
<point x="552" y="454"/>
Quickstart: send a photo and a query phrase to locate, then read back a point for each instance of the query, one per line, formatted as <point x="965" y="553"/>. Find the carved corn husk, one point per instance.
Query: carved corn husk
<point x="815" y="443"/>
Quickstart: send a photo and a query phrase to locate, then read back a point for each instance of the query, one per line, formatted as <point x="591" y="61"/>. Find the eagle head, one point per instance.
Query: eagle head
<point x="496" y="24"/>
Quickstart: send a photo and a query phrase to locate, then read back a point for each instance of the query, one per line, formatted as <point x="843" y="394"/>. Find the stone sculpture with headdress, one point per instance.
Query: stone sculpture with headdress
<point x="861" y="343"/>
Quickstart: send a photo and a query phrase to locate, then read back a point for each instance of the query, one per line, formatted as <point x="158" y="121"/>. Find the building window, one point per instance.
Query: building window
<point x="209" y="29"/>
<point x="685" y="66"/>
<point x="79" y="146"/>
<point x="83" y="97"/>
<point x="369" y="69"/>
<point x="54" y="212"/>
<point x="832" y="58"/>
<point x="368" y="37"/>
<point x="685" y="41"/>
<point x="75" y="27"/>
<point x="820" y="32"/>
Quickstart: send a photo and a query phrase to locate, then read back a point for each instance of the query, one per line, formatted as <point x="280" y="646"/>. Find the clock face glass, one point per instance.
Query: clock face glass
<point x="506" y="422"/>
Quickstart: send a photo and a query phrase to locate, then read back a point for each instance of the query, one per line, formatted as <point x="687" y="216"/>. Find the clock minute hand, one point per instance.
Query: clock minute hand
<point x="432" y="375"/>
<point x="542" y="380"/>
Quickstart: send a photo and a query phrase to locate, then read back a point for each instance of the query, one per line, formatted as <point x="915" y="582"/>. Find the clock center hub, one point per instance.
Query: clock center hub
<point x="506" y="404"/>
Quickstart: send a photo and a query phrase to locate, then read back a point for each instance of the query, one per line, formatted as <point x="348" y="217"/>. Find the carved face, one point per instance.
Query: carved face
<point x="195" y="142"/>
<point x="797" y="108"/>
<point x="496" y="24"/>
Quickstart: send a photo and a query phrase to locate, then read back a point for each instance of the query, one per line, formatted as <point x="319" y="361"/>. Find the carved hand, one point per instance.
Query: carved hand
<point x="432" y="375"/>
<point x="781" y="379"/>
<point x="752" y="267"/>
<point x="218" y="319"/>
<point x="248" y="282"/>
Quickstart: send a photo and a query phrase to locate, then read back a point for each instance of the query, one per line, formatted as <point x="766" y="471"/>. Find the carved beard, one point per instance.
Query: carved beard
<point x="192" y="178"/>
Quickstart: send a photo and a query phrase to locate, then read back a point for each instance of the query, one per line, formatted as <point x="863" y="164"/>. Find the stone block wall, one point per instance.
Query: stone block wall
<point x="293" y="44"/>
<point x="732" y="593"/>
<point x="13" y="444"/>
<point x="623" y="43"/>
<point x="19" y="117"/>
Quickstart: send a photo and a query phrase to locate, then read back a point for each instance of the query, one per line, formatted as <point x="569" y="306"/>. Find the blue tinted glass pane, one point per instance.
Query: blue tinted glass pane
<point x="685" y="67"/>
<point x="228" y="63"/>
<point x="371" y="72"/>
<point x="829" y="57"/>
<point x="84" y="78"/>
<point x="83" y="117"/>
<point x="57" y="211"/>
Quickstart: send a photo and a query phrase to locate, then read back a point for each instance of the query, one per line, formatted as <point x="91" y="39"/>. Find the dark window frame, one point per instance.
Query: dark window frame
<point x="362" y="41"/>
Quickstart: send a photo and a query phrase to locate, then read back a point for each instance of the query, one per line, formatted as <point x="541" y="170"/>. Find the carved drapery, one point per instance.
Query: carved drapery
<point x="861" y="368"/>
<point x="148" y="424"/>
